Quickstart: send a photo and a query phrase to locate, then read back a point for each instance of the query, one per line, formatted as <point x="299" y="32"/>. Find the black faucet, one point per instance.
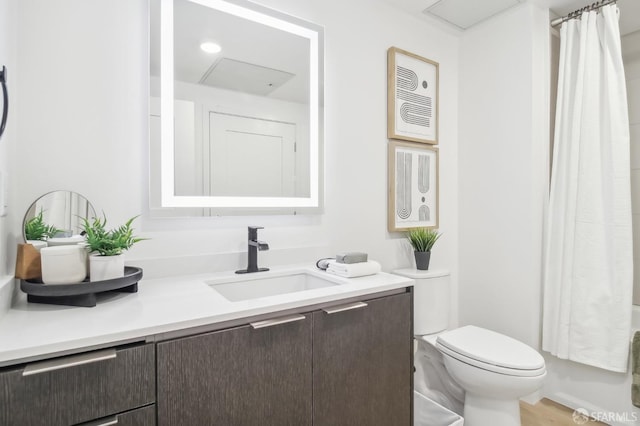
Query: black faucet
<point x="253" y="248"/>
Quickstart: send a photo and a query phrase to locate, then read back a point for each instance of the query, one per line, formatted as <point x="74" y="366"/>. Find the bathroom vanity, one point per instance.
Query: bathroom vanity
<point x="178" y="352"/>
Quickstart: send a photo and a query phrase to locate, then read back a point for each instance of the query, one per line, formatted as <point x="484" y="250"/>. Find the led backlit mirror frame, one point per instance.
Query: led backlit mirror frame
<point x="265" y="16"/>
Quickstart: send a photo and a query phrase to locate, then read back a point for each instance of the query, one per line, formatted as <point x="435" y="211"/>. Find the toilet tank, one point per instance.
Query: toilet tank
<point x="431" y="300"/>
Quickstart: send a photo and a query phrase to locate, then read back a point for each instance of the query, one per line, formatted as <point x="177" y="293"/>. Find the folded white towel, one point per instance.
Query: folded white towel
<point x="352" y="270"/>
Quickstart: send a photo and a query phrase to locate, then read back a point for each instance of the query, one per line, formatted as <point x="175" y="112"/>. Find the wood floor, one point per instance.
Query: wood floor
<point x="547" y="412"/>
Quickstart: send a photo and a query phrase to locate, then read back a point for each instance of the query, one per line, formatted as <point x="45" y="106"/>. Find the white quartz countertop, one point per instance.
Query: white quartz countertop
<point x="30" y="331"/>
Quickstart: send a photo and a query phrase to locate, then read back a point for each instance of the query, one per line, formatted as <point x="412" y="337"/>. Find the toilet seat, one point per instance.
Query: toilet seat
<point x="491" y="351"/>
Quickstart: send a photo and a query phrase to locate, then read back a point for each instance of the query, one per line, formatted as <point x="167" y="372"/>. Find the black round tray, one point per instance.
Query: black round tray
<point x="80" y="294"/>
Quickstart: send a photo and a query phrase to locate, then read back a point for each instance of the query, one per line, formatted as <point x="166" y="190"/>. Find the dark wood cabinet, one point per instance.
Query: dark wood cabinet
<point x="254" y="375"/>
<point x="78" y="388"/>
<point x="345" y="365"/>
<point x="362" y="363"/>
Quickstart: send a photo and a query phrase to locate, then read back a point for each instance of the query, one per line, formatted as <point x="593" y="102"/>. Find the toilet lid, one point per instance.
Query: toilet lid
<point x="488" y="349"/>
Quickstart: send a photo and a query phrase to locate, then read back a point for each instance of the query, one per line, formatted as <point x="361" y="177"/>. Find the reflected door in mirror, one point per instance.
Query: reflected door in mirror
<point x="251" y="157"/>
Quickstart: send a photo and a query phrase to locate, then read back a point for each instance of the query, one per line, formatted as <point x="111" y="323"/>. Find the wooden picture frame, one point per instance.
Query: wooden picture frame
<point x="412" y="97"/>
<point x="413" y="193"/>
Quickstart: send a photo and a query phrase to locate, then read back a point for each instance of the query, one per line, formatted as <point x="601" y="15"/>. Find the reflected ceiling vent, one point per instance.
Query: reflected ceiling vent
<point x="244" y="77"/>
<point x="464" y="13"/>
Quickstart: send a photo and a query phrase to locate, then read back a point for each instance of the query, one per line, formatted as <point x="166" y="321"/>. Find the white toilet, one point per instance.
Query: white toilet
<point x="494" y="370"/>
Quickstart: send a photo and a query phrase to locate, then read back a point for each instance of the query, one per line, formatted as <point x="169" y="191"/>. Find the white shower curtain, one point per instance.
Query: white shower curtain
<point x="588" y="271"/>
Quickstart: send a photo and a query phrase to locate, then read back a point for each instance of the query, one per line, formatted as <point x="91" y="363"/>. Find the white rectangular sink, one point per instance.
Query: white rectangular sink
<point x="255" y="286"/>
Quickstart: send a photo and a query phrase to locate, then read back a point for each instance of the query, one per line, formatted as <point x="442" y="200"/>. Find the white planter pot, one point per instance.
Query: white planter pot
<point x="103" y="268"/>
<point x="63" y="264"/>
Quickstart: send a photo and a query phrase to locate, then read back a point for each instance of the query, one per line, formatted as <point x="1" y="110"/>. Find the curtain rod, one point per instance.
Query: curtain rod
<point x="594" y="6"/>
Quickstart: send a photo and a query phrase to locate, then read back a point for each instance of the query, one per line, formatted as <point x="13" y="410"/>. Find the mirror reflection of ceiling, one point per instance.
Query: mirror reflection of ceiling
<point x="255" y="58"/>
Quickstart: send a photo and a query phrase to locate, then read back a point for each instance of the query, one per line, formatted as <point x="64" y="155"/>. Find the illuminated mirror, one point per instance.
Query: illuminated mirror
<point x="242" y="86"/>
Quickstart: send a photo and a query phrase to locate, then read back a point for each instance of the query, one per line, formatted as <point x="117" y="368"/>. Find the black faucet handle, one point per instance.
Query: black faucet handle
<point x="253" y="232"/>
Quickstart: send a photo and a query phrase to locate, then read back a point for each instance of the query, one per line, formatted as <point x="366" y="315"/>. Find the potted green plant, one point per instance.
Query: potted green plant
<point x="422" y="240"/>
<point x="106" y="247"/>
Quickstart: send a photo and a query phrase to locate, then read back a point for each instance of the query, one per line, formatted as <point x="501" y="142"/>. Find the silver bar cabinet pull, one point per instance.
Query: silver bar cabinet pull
<point x="342" y="308"/>
<point x="105" y="422"/>
<point x="69" y="361"/>
<point x="276" y="321"/>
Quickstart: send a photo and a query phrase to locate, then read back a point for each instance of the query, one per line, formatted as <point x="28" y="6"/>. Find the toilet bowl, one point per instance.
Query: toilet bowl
<point x="431" y="378"/>
<point x="494" y="370"/>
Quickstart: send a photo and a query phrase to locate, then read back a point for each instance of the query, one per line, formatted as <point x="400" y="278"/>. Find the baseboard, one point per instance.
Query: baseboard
<point x="533" y="398"/>
<point x="572" y="402"/>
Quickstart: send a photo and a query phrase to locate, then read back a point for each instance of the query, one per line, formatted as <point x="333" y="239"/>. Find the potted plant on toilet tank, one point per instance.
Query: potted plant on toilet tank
<point x="107" y="247"/>
<point x="422" y="240"/>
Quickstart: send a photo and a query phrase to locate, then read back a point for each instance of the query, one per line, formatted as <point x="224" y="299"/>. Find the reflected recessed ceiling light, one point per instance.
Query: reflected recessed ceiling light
<point x="210" y="47"/>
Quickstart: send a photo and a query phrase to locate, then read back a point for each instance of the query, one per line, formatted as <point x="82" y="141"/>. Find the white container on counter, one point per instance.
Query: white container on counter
<point x="63" y="264"/>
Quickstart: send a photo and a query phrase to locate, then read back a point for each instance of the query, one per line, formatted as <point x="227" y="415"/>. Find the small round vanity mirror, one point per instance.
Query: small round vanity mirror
<point x="56" y="219"/>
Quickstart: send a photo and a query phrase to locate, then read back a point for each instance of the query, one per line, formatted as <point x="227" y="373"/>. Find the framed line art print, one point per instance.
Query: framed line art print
<point x="412" y="97"/>
<point x="413" y="186"/>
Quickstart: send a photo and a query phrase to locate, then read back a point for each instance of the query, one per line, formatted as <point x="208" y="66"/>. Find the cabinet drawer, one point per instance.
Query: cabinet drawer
<point x="78" y="388"/>
<point x="145" y="416"/>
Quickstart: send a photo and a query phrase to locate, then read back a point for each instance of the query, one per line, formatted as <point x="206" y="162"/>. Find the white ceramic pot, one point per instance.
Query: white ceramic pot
<point x="63" y="264"/>
<point x="103" y="268"/>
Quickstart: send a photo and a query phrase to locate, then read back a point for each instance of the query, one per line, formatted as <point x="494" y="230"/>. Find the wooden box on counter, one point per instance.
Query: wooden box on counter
<point x="28" y="264"/>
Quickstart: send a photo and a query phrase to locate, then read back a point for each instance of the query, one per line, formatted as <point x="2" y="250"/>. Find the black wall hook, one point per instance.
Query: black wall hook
<point x="5" y="98"/>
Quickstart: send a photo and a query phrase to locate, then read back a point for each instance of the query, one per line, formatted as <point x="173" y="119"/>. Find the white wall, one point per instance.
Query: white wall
<point x="503" y="169"/>
<point x="83" y="110"/>
<point x="355" y="117"/>
<point x="83" y="76"/>
<point x="7" y="152"/>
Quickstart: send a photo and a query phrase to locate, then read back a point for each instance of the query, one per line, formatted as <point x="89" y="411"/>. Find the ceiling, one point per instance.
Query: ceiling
<point x="476" y="11"/>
